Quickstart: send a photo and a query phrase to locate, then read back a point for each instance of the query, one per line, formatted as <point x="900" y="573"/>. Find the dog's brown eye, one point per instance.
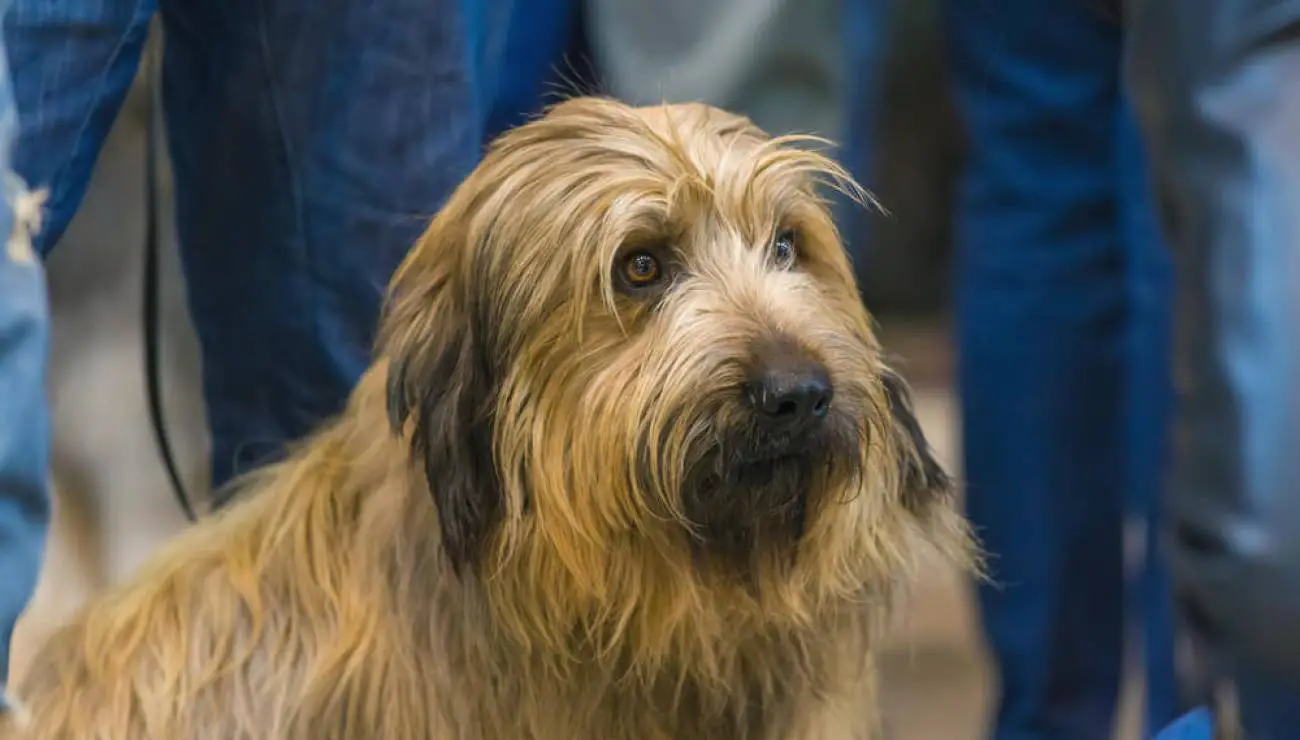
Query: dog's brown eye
<point x="641" y="269"/>
<point x="784" y="249"/>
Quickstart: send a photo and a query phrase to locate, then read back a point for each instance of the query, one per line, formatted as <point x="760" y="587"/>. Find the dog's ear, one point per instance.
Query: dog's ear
<point x="441" y="392"/>
<point x="921" y="477"/>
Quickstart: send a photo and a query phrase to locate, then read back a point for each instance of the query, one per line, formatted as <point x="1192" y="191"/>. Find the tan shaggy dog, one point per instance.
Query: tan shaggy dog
<point x="628" y="466"/>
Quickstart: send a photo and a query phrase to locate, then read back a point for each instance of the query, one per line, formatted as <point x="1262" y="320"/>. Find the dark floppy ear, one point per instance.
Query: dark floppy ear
<point x="441" y="392"/>
<point x="922" y="478"/>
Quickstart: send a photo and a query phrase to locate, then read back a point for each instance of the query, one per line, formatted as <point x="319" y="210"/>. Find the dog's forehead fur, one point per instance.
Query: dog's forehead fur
<point x="681" y="152"/>
<point x="672" y="136"/>
<point x="555" y="200"/>
<point x="677" y="123"/>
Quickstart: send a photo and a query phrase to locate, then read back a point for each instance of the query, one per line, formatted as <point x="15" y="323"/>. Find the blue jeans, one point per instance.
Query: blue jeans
<point x="1063" y="300"/>
<point x="310" y="142"/>
<point x="24" y="420"/>
<point x="541" y="47"/>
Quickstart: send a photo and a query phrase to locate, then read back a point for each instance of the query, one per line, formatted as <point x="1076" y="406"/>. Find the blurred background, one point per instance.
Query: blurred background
<point x="782" y="63"/>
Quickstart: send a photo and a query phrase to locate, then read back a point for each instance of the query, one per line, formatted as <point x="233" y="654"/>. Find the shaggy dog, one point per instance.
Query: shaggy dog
<point x="628" y="465"/>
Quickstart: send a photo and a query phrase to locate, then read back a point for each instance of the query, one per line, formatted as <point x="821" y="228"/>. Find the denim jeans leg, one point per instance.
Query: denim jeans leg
<point x="311" y="143"/>
<point x="24" y="417"/>
<point x="1042" y="311"/>
<point x="534" y="67"/>
<point x="71" y="63"/>
<point x="1150" y="405"/>
<point x="864" y="58"/>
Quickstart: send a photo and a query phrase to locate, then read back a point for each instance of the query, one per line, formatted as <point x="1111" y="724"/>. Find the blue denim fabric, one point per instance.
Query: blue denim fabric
<point x="1150" y="401"/>
<point x="1196" y="725"/>
<point x="1063" y="330"/>
<point x="535" y="68"/>
<point x="311" y="142"/>
<point x="24" y="418"/>
<point x="864" y="56"/>
<point x="24" y="432"/>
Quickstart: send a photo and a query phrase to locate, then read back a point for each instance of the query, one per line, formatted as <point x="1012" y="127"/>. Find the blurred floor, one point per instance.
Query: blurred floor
<point x="936" y="680"/>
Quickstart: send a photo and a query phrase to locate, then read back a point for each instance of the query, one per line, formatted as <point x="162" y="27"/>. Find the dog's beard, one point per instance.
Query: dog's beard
<point x="749" y="495"/>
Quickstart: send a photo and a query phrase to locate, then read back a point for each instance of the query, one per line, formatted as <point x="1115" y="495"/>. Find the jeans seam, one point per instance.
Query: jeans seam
<point x="277" y="111"/>
<point x="299" y="256"/>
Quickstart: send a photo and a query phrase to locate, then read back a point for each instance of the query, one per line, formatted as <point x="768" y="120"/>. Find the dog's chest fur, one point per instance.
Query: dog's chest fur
<point x="468" y="697"/>
<point x="581" y="707"/>
<point x="523" y="704"/>
<point x="640" y="712"/>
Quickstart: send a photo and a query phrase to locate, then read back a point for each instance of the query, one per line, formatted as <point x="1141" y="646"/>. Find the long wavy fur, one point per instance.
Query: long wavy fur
<point x="491" y="541"/>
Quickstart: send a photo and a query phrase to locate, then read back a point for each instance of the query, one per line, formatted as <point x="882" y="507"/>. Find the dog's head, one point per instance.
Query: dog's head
<point x="630" y="355"/>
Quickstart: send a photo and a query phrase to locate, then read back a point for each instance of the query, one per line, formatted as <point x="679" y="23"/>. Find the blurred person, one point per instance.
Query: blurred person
<point x="1062" y="301"/>
<point x="24" y="419"/>
<point x="777" y="62"/>
<point x="904" y="143"/>
<point x="310" y="144"/>
<point x="782" y="63"/>
<point x="1217" y="91"/>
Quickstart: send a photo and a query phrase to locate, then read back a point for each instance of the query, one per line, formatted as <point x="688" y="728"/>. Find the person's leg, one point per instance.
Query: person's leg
<point x="533" y="68"/>
<point x="861" y="22"/>
<point x="1150" y="403"/>
<point x="1214" y="96"/>
<point x="902" y="143"/>
<point x="776" y="61"/>
<point x="70" y="63"/>
<point x="24" y="418"/>
<point x="862" y="26"/>
<point x="311" y="142"/>
<point x="1042" y="310"/>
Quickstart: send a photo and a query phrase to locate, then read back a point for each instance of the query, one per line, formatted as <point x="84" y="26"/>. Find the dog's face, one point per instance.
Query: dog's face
<point x="630" y="349"/>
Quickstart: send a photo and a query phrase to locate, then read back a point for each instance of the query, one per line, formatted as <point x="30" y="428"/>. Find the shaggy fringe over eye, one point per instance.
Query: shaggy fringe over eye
<point x="795" y="158"/>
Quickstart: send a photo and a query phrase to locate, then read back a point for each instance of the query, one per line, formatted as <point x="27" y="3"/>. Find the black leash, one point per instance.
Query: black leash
<point x="152" y="309"/>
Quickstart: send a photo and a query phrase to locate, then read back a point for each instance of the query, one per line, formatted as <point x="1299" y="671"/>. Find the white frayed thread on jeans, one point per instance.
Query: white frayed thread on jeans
<point x="28" y="210"/>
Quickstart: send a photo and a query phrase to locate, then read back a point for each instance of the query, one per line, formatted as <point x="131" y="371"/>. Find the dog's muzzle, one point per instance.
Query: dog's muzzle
<point x="752" y="490"/>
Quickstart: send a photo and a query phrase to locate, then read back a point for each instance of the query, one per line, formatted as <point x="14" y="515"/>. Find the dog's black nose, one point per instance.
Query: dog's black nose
<point x="789" y="388"/>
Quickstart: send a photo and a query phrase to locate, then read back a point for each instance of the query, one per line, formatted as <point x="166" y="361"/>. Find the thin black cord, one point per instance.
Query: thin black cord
<point x="152" y="309"/>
